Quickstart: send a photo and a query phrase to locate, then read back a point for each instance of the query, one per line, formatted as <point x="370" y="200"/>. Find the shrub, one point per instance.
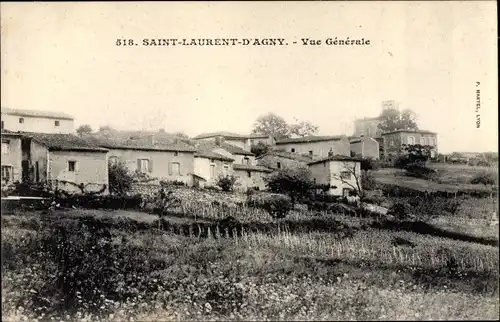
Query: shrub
<point x="277" y="205"/>
<point x="295" y="182"/>
<point x="172" y="183"/>
<point x="100" y="202"/>
<point x="226" y="183"/>
<point x="483" y="178"/>
<point x="370" y="164"/>
<point x="400" y="211"/>
<point x="367" y="180"/>
<point x="120" y="179"/>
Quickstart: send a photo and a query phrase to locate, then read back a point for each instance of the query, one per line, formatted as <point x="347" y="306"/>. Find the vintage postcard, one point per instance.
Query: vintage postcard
<point x="280" y="160"/>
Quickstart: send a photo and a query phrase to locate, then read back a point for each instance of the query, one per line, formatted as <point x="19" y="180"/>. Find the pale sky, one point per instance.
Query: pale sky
<point x="427" y="56"/>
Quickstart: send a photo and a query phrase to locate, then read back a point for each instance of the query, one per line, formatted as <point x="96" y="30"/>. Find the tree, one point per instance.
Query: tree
<point x="84" y="129"/>
<point x="181" y="135"/>
<point x="103" y="128"/>
<point x="302" y="129"/>
<point x="226" y="183"/>
<point x="271" y="124"/>
<point x="352" y="169"/>
<point x="296" y="182"/>
<point x="392" y="119"/>
<point x="120" y="179"/>
<point x="259" y="149"/>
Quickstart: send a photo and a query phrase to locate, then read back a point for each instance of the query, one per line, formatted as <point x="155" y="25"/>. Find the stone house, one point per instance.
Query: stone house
<point x="250" y="176"/>
<point x="321" y="146"/>
<point x="244" y="141"/>
<point x="156" y="159"/>
<point x="342" y="173"/>
<point x="64" y="161"/>
<point x="243" y="166"/>
<point x="276" y="159"/>
<point x="36" y="121"/>
<point x="365" y="147"/>
<point x="209" y="166"/>
<point x="367" y="126"/>
<point x="11" y="156"/>
<point x="395" y="141"/>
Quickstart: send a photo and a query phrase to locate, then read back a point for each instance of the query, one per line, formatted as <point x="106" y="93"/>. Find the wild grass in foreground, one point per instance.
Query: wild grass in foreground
<point x="75" y="269"/>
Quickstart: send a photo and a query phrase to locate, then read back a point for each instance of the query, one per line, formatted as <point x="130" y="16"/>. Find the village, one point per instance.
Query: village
<point x="43" y="146"/>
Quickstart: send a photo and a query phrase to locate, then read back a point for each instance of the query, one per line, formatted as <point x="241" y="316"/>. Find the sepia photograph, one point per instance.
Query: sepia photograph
<point x="249" y="161"/>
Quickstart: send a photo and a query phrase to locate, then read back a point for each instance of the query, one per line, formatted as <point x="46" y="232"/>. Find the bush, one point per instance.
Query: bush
<point x="226" y="183"/>
<point x="172" y="183"/>
<point x="400" y="211"/>
<point x="120" y="179"/>
<point x="370" y="164"/>
<point x="483" y="178"/>
<point x="294" y="182"/>
<point x="100" y="202"/>
<point x="418" y="170"/>
<point x="367" y="180"/>
<point x="277" y="205"/>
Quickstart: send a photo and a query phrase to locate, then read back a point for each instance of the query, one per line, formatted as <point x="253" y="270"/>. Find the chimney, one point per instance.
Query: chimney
<point x="152" y="139"/>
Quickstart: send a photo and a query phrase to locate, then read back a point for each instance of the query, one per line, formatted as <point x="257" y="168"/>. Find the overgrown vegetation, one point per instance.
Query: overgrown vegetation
<point x="296" y="182"/>
<point x="120" y="179"/>
<point x="226" y="182"/>
<point x="485" y="178"/>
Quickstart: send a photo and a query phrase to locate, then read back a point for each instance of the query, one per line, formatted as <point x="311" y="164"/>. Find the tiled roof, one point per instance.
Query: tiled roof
<point x="203" y="153"/>
<point x="209" y="145"/>
<point x="308" y="139"/>
<point x="63" y="142"/>
<point x="335" y="158"/>
<point x="36" y="113"/>
<point x="230" y="135"/>
<point x="288" y="155"/>
<point x="139" y="143"/>
<point x="9" y="132"/>
<point x="246" y="167"/>
<point x="409" y="131"/>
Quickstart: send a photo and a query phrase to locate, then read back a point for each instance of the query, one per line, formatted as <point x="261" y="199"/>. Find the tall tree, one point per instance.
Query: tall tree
<point x="392" y="119"/>
<point x="84" y="129"/>
<point x="302" y="129"/>
<point x="271" y="124"/>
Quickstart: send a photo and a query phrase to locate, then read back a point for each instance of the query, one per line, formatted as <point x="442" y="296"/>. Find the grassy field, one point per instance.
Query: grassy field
<point x="451" y="177"/>
<point x="90" y="265"/>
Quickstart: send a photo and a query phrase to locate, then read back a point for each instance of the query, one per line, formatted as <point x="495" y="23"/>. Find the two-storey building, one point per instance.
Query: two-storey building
<point x="396" y="141"/>
<point x="318" y="146"/>
<point x="36" y="121"/>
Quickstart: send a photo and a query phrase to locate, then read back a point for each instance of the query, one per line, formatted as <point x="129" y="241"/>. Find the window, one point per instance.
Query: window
<point x="21" y="120"/>
<point x="422" y="141"/>
<point x="345" y="175"/>
<point x="113" y="160"/>
<point x="6" y="173"/>
<point x="212" y="170"/>
<point x="293" y="150"/>
<point x="211" y="160"/>
<point x="56" y="123"/>
<point x="310" y="153"/>
<point x="432" y="142"/>
<point x="249" y="174"/>
<point x="278" y="164"/>
<point x="391" y="142"/>
<point x="143" y="165"/>
<point x="176" y="168"/>
<point x="245" y="160"/>
<point x="226" y="170"/>
<point x="5" y="147"/>
<point x="411" y="140"/>
<point x="71" y="166"/>
<point x="176" y="153"/>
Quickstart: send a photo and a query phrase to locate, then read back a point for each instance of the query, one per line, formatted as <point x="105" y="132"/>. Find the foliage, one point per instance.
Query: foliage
<point x="84" y="129"/>
<point x="181" y="135"/>
<point x="226" y="183"/>
<point x="392" y="119"/>
<point x="172" y="183"/>
<point x="302" y="129"/>
<point x="271" y="124"/>
<point x="370" y="164"/>
<point x="295" y="182"/>
<point x="400" y="211"/>
<point x="418" y="170"/>
<point x="276" y="205"/>
<point x="120" y="179"/>
<point x="485" y="178"/>
<point x="259" y="149"/>
<point x="367" y="180"/>
<point x="104" y="128"/>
